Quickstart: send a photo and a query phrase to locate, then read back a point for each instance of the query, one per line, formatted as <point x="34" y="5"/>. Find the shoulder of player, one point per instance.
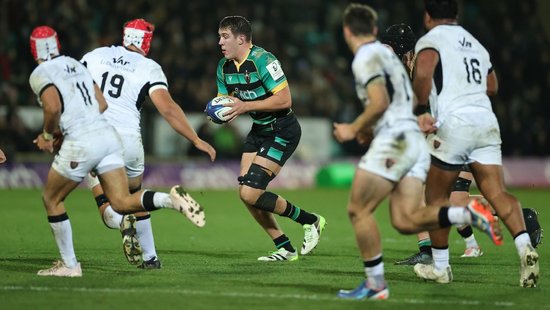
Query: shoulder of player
<point x="36" y="73"/>
<point x="260" y="56"/>
<point x="370" y="52"/>
<point x="150" y="64"/>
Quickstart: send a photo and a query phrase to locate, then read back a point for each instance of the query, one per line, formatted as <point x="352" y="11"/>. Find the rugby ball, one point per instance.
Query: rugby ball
<point x="215" y="109"/>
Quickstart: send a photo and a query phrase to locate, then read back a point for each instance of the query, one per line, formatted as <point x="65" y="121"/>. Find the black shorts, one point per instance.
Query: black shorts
<point x="276" y="141"/>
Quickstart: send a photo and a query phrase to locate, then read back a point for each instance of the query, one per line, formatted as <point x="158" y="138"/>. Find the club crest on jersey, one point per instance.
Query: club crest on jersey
<point x="120" y="61"/>
<point x="389" y="163"/>
<point x="70" y="69"/>
<point x="437" y="144"/>
<point x="247" y="77"/>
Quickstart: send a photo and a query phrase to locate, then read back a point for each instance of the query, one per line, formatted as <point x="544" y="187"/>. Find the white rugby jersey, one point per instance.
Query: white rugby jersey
<point x="79" y="107"/>
<point x="460" y="79"/>
<point x="374" y="60"/>
<point x="126" y="78"/>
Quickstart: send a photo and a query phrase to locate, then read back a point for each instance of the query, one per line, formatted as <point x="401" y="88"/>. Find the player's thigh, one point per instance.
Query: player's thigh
<point x="439" y="183"/>
<point x="367" y="191"/>
<point x="134" y="157"/>
<point x="405" y="199"/>
<point x="246" y="161"/>
<point x="268" y="164"/>
<point x="489" y="179"/>
<point x="115" y="184"/>
<point x="56" y="189"/>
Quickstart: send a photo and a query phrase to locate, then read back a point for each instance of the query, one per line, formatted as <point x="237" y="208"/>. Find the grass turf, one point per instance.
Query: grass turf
<point x="215" y="267"/>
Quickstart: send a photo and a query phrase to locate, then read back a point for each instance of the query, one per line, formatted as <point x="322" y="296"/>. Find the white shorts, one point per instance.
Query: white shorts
<point x="97" y="150"/>
<point x="467" y="138"/>
<point x="396" y="155"/>
<point x="134" y="157"/>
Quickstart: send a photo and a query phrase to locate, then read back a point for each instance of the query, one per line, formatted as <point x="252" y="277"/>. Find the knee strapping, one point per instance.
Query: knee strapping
<point x="101" y="200"/>
<point x="461" y="185"/>
<point x="256" y="177"/>
<point x="267" y="202"/>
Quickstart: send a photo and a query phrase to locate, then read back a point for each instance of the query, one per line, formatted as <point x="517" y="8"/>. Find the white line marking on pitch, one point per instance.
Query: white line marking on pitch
<point x="184" y="291"/>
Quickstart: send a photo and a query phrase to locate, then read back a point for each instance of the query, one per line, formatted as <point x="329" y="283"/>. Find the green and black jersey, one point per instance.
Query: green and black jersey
<point x="258" y="77"/>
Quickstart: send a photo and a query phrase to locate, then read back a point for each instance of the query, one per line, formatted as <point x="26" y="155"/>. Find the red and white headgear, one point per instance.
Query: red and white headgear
<point x="44" y="43"/>
<point x="138" y="32"/>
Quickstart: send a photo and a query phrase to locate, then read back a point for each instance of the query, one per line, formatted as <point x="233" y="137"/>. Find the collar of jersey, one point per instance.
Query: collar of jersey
<point x="238" y="65"/>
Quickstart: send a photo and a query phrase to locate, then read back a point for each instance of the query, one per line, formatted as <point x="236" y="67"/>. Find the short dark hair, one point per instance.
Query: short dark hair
<point x="441" y="9"/>
<point x="360" y="19"/>
<point x="237" y="25"/>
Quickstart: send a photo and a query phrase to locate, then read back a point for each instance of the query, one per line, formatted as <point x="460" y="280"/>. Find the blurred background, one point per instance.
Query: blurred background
<point x="304" y="35"/>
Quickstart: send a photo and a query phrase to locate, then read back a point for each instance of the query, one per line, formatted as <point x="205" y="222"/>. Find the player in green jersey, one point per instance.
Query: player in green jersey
<point x="258" y="86"/>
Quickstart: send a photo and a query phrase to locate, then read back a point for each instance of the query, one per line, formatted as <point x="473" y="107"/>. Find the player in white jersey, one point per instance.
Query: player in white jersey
<point x="401" y="39"/>
<point x="397" y="160"/>
<point x="73" y="103"/>
<point x="453" y="73"/>
<point x="126" y="77"/>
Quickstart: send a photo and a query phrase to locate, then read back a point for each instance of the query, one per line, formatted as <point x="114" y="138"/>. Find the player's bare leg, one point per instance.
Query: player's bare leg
<point x="56" y="189"/>
<point x="490" y="180"/>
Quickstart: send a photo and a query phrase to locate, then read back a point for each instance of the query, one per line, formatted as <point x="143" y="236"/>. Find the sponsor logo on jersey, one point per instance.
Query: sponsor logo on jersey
<point x="275" y="70"/>
<point x="245" y="94"/>
<point x="120" y="61"/>
<point x="465" y="43"/>
<point x="118" y="65"/>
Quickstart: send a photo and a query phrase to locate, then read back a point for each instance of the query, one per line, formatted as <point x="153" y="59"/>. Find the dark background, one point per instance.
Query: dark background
<point x="306" y="37"/>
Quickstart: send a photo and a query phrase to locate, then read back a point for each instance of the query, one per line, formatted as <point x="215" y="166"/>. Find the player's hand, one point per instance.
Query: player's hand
<point x="427" y="123"/>
<point x="205" y="147"/>
<point x="344" y="132"/>
<point x="43" y="145"/>
<point x="238" y="107"/>
<point x="2" y="157"/>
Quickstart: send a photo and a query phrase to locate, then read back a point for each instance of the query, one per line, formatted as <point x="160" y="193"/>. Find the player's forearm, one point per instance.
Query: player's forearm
<point x="368" y="118"/>
<point x="179" y="122"/>
<point x="279" y="101"/>
<point x="52" y="110"/>
<point x="422" y="87"/>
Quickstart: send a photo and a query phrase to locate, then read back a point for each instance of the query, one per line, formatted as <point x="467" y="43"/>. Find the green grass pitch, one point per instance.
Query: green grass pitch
<point x="215" y="267"/>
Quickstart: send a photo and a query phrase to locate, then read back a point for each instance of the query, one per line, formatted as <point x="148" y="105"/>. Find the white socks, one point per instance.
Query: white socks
<point x="146" y="240"/>
<point x="375" y="274"/>
<point x="459" y="216"/>
<point x="162" y="200"/>
<point x="63" y="235"/>
<point x="471" y="242"/>
<point x="111" y="218"/>
<point x="441" y="258"/>
<point x="521" y="242"/>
